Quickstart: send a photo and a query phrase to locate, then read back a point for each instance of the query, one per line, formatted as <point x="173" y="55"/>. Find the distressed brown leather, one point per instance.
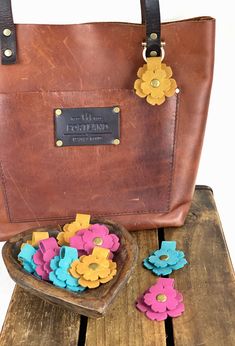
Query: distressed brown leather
<point x="148" y="180"/>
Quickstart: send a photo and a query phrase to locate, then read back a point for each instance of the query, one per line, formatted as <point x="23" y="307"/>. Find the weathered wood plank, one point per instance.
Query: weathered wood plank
<point x="208" y="282"/>
<point x="32" y="321"/>
<point x="123" y="324"/>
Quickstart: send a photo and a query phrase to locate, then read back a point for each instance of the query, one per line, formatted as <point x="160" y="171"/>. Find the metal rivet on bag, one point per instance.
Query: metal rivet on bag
<point x="59" y="143"/>
<point x="58" y="112"/>
<point x="7" y="32"/>
<point x="177" y="91"/>
<point x="153" y="53"/>
<point x="153" y="36"/>
<point x="116" y="109"/>
<point x="8" y="53"/>
<point x="116" y="141"/>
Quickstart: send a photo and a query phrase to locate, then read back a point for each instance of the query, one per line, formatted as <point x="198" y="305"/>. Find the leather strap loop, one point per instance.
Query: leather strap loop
<point x="150" y="10"/>
<point x="153" y="28"/>
<point x="7" y="34"/>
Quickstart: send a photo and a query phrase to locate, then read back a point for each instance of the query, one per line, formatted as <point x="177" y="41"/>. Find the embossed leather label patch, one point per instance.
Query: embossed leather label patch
<point x="87" y="126"/>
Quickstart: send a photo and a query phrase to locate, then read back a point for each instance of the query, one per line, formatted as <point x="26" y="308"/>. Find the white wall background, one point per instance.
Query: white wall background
<point x="217" y="167"/>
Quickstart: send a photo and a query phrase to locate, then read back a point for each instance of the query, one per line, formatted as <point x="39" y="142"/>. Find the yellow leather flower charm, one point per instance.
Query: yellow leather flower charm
<point x="82" y="221"/>
<point x="155" y="82"/>
<point x="95" y="269"/>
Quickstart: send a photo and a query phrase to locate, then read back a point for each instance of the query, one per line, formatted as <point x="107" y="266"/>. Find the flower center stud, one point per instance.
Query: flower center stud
<point x="155" y="83"/>
<point x="161" y="298"/>
<point x="164" y="257"/>
<point x="98" y="241"/>
<point x="93" y="266"/>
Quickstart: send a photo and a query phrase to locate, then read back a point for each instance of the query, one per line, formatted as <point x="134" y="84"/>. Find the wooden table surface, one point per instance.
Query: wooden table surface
<point x="207" y="284"/>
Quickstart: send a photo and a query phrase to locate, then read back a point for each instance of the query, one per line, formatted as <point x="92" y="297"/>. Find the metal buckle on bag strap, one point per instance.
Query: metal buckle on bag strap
<point x="145" y="51"/>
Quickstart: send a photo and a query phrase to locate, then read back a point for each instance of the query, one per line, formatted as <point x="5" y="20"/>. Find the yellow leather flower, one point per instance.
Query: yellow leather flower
<point x="94" y="269"/>
<point x="155" y="81"/>
<point x="82" y="221"/>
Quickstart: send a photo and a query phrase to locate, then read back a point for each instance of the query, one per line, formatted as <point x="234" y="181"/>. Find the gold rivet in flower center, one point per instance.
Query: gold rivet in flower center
<point x="155" y="83"/>
<point x="164" y="257"/>
<point x="161" y="298"/>
<point x="93" y="266"/>
<point x="98" y="241"/>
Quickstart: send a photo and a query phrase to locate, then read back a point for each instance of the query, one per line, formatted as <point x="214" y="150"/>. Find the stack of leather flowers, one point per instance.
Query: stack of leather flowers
<point x="165" y="260"/>
<point x="80" y="258"/>
<point x="161" y="300"/>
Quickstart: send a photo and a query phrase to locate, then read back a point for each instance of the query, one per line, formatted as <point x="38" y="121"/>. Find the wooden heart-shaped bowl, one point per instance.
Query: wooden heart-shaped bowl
<point x="91" y="302"/>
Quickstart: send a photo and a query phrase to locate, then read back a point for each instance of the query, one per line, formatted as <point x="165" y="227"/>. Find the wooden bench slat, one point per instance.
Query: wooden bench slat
<point x="32" y="321"/>
<point x="207" y="283"/>
<point x="123" y="324"/>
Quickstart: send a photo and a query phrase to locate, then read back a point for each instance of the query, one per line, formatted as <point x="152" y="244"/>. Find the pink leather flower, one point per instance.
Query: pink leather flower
<point x="95" y="235"/>
<point x="161" y="300"/>
<point x="48" y="248"/>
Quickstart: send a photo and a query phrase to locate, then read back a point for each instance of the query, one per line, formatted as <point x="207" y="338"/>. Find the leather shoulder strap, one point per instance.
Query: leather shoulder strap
<point x="150" y="17"/>
<point x="153" y="27"/>
<point x="7" y="34"/>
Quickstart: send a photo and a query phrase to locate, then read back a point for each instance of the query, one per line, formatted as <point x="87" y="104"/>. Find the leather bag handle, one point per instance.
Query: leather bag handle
<point x="150" y="10"/>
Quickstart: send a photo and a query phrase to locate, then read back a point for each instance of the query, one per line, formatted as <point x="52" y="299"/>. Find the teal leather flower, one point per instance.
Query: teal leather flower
<point x="165" y="260"/>
<point x="60" y="265"/>
<point x="26" y="258"/>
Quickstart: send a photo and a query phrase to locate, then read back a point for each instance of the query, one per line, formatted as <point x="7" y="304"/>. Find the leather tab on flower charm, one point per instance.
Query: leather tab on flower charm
<point x="95" y="269"/>
<point x="48" y="248"/>
<point x="81" y="222"/>
<point x="100" y="252"/>
<point x="60" y="265"/>
<point x="95" y="236"/>
<point x="165" y="260"/>
<point x="37" y="237"/>
<point x="67" y="256"/>
<point x="26" y="258"/>
<point x="155" y="81"/>
<point x="161" y="300"/>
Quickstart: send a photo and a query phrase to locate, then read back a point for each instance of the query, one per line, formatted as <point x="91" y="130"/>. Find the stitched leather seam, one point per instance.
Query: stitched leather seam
<point x="172" y="161"/>
<point x="152" y="211"/>
<point x="4" y="192"/>
<point x="93" y="215"/>
<point x="56" y="91"/>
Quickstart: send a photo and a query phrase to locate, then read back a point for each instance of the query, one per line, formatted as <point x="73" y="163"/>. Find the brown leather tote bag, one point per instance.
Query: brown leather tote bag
<point x="74" y="136"/>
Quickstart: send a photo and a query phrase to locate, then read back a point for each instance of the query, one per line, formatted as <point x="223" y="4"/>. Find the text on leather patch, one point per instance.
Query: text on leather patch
<point x="87" y="126"/>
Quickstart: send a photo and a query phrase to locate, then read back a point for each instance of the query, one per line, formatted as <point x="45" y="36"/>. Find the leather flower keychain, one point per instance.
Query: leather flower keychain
<point x="155" y="82"/>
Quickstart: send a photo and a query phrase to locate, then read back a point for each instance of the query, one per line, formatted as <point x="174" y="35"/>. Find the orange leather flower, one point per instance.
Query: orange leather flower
<point x="155" y="81"/>
<point x="82" y="221"/>
<point x="94" y="269"/>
